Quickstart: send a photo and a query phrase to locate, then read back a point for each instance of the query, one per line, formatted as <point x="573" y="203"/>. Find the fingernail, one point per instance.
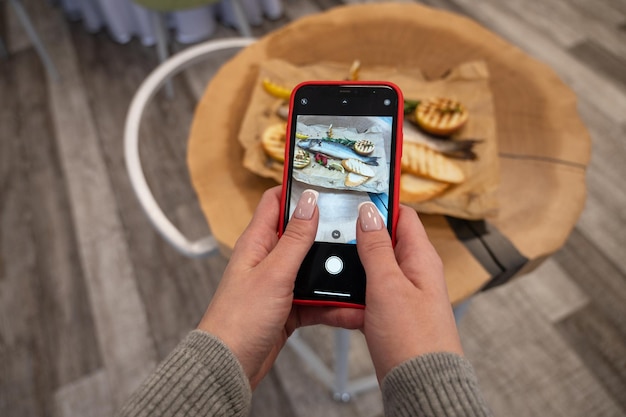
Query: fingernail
<point x="369" y="218"/>
<point x="306" y="205"/>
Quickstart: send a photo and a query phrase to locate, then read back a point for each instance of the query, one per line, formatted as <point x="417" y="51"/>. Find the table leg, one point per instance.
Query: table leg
<point x="337" y="380"/>
<point x="342" y="347"/>
<point x="461" y="309"/>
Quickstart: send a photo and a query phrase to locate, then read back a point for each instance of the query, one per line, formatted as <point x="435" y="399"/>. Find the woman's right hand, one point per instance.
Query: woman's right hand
<point x="408" y="312"/>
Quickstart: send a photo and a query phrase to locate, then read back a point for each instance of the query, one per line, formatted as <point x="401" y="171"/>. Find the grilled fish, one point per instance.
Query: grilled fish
<point x="335" y="150"/>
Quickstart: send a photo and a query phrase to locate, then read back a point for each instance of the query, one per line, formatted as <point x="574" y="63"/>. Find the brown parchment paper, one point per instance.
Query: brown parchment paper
<point x="468" y="82"/>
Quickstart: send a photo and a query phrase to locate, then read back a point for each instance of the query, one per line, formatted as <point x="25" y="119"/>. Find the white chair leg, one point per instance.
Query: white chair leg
<point x="242" y="21"/>
<point x="160" y="33"/>
<point x="24" y="19"/>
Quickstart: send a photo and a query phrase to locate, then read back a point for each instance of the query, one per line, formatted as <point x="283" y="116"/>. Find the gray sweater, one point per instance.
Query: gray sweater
<point x="202" y="377"/>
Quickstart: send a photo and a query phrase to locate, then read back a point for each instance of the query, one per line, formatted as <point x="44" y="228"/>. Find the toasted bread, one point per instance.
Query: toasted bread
<point x="354" y="180"/>
<point x="364" y="147"/>
<point x="441" y="116"/>
<point x="425" y="162"/>
<point x="414" y="189"/>
<point x="358" y="167"/>
<point x="301" y="159"/>
<point x="273" y="141"/>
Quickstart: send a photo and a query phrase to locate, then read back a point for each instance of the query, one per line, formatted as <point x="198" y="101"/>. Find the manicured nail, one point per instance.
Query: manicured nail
<point x="369" y="218"/>
<point x="306" y="205"/>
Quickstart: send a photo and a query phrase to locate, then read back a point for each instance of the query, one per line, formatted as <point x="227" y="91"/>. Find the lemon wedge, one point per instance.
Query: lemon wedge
<point x="276" y="90"/>
<point x="336" y="167"/>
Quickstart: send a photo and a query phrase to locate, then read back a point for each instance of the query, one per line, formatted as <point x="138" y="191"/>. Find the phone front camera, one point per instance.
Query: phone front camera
<point x="387" y="102"/>
<point x="304" y="101"/>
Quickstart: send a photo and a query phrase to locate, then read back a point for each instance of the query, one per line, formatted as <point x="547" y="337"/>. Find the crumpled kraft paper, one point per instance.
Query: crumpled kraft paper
<point x="475" y="198"/>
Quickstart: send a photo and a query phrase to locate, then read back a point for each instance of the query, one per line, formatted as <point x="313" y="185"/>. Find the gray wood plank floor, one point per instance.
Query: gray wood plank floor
<point x="91" y="297"/>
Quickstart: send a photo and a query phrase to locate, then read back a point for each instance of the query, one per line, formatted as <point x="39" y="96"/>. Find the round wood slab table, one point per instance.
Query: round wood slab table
<point x="543" y="147"/>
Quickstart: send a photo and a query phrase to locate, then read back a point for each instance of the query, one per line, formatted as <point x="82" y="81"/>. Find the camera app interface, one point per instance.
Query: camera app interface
<point x="347" y="160"/>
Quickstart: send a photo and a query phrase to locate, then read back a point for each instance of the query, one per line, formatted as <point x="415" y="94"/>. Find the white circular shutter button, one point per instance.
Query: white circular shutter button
<point x="333" y="265"/>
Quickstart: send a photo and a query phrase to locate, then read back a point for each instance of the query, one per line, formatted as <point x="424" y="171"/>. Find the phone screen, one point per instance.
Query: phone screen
<point x="343" y="177"/>
<point x="343" y="145"/>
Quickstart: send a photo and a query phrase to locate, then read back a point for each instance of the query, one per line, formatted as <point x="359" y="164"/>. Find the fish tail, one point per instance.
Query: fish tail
<point x="463" y="149"/>
<point x="465" y="144"/>
<point x="371" y="160"/>
<point x="462" y="154"/>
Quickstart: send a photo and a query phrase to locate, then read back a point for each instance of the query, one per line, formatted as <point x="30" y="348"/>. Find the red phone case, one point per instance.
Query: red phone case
<point x="395" y="199"/>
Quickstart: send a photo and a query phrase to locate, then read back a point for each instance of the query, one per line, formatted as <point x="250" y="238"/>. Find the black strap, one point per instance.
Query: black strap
<point x="490" y="247"/>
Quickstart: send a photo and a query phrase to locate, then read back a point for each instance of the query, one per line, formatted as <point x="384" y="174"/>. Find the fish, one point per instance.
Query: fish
<point x="335" y="150"/>
<point x="454" y="148"/>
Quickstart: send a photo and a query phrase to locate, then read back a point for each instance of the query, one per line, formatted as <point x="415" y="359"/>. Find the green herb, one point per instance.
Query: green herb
<point x="343" y="141"/>
<point x="410" y="105"/>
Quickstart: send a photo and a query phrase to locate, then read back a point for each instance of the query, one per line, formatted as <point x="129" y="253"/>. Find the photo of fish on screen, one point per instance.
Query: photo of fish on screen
<point x="347" y="160"/>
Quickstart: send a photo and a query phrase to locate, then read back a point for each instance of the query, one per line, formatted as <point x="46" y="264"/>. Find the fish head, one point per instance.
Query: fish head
<point x="309" y="144"/>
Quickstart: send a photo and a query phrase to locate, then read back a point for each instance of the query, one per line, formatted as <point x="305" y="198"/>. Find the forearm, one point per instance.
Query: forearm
<point x="200" y="377"/>
<point x="433" y="385"/>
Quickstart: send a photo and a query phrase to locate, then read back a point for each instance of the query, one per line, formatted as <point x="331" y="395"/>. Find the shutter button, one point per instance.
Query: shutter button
<point x="333" y="265"/>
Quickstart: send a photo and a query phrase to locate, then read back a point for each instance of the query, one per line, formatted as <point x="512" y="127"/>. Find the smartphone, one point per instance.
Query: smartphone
<point x="344" y="140"/>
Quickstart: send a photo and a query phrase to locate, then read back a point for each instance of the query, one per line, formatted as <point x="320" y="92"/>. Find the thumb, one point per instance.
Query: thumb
<point x="374" y="246"/>
<point x="298" y="236"/>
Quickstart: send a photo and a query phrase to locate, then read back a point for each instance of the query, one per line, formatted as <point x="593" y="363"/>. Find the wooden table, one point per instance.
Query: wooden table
<point x="544" y="148"/>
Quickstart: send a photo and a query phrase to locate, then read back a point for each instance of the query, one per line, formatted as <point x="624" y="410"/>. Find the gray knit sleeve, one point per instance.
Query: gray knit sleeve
<point x="201" y="377"/>
<point x="433" y="385"/>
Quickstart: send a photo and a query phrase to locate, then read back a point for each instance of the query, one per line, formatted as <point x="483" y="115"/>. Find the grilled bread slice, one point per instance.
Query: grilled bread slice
<point x="354" y="180"/>
<point x="441" y="116"/>
<point x="424" y="162"/>
<point x="273" y="141"/>
<point x="301" y="159"/>
<point x="364" y="147"/>
<point x="358" y="167"/>
<point x="414" y="189"/>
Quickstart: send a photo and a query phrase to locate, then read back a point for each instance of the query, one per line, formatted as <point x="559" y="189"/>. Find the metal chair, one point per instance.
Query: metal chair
<point x="24" y="18"/>
<point x="336" y="379"/>
<point x="146" y="91"/>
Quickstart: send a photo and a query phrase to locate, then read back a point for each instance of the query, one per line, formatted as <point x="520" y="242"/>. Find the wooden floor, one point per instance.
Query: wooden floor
<point x="91" y="298"/>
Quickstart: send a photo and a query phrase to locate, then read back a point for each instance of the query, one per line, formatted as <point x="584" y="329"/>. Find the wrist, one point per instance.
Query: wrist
<point x="229" y="341"/>
<point x="441" y="378"/>
<point x="391" y="354"/>
<point x="213" y="352"/>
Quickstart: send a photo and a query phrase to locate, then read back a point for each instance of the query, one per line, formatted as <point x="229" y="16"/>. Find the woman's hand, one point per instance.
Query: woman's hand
<point x="251" y="311"/>
<point x="407" y="312"/>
